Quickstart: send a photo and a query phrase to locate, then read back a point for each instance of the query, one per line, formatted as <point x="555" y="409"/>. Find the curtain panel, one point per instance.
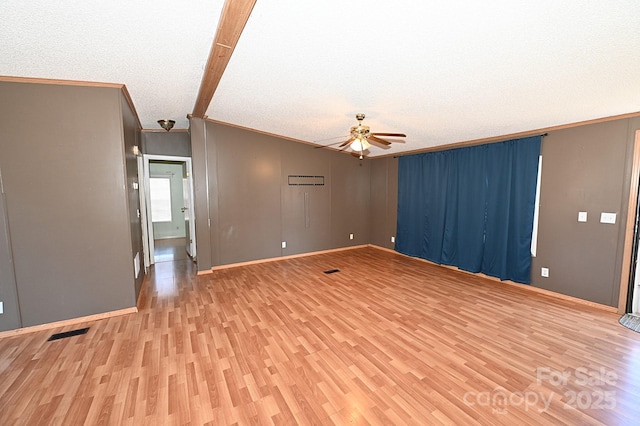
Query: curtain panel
<point x="471" y="207"/>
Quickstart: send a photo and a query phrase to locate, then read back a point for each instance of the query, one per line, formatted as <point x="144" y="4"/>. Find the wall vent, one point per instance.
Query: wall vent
<point x="301" y="180"/>
<point x="66" y="334"/>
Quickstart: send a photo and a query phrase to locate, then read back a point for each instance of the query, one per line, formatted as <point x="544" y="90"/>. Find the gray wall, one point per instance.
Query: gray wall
<point x="585" y="168"/>
<point x="62" y="162"/>
<point x="173" y="143"/>
<point x="202" y="178"/>
<point x="384" y="201"/>
<point x="131" y="135"/>
<point x="350" y="200"/>
<point x="253" y="208"/>
<point x="8" y="290"/>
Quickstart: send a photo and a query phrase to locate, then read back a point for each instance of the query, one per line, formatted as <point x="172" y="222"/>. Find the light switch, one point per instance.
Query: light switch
<point x="607" y="218"/>
<point x="582" y="216"/>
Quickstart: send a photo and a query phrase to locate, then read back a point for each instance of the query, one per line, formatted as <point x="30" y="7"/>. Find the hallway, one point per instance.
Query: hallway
<point x="170" y="250"/>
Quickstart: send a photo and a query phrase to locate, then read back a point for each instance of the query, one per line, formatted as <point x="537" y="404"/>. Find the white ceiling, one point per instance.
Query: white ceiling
<point x="441" y="72"/>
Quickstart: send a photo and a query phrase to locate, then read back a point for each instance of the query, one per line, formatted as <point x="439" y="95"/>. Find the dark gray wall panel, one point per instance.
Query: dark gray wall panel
<point x="167" y="143"/>
<point x="350" y="200"/>
<point x="252" y="206"/>
<point x="384" y="201"/>
<point x="62" y="161"/>
<point x="201" y="192"/>
<point x="248" y="194"/>
<point x="392" y="201"/>
<point x="583" y="170"/>
<point x="131" y="135"/>
<point x="306" y="210"/>
<point x="10" y="319"/>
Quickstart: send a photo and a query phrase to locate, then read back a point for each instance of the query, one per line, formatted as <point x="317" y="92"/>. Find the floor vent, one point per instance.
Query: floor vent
<point x="332" y="271"/>
<point x="68" y="334"/>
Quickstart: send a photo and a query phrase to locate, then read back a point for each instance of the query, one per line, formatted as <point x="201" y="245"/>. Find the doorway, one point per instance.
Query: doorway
<point x="633" y="297"/>
<point x="167" y="196"/>
<point x="629" y="298"/>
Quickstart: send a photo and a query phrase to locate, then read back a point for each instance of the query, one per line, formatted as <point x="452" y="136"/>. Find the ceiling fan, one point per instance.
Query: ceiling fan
<point x="362" y="138"/>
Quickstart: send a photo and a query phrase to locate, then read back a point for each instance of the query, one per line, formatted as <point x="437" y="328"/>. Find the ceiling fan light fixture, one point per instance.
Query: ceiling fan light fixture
<point x="360" y="144"/>
<point x="166" y="124"/>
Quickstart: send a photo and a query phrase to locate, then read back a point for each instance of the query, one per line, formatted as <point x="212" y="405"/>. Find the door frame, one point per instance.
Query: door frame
<point x="627" y="255"/>
<point x="145" y="211"/>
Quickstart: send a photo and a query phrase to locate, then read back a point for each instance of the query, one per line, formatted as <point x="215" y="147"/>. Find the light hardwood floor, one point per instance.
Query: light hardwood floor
<point x="169" y="250"/>
<point x="387" y="340"/>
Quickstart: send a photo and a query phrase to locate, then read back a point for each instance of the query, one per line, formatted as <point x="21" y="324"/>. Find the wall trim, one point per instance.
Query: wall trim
<point x="273" y="135"/>
<point x="67" y="322"/>
<point x="275" y="259"/>
<point x="629" y="227"/>
<point x="518" y="135"/>
<point x="127" y="97"/>
<point x="460" y="144"/>
<point x="120" y="86"/>
<point x="59" y="81"/>
<point x="525" y="287"/>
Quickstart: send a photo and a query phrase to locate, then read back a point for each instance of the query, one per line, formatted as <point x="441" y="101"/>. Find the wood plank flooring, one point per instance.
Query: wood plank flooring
<point x="169" y="250"/>
<point x="387" y="340"/>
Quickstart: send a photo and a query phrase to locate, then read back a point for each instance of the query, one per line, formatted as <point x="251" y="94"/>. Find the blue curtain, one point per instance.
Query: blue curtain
<point x="471" y="207"/>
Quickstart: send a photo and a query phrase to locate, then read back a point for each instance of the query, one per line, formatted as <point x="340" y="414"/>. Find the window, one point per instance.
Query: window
<point x="160" y="189"/>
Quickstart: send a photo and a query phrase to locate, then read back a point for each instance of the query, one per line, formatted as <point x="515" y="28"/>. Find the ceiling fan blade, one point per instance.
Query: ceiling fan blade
<point x="395" y="135"/>
<point x="351" y="139"/>
<point x="378" y="144"/>
<point x="318" y="142"/>
<point x="326" y="146"/>
<point x="373" y="138"/>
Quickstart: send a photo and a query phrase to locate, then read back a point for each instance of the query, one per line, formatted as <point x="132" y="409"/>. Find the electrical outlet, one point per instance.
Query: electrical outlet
<point x="351" y="236"/>
<point x="608" y="218"/>
<point x="284" y="244"/>
<point x="582" y="216"/>
<point x="1" y="307"/>
<point x="393" y="239"/>
<point x="544" y="272"/>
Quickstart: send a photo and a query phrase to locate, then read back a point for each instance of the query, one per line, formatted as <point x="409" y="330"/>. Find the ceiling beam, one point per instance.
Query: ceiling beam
<point x="233" y="18"/>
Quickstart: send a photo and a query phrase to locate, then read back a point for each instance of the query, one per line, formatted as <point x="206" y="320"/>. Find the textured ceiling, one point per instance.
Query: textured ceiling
<point x="441" y="72"/>
<point x="157" y="48"/>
